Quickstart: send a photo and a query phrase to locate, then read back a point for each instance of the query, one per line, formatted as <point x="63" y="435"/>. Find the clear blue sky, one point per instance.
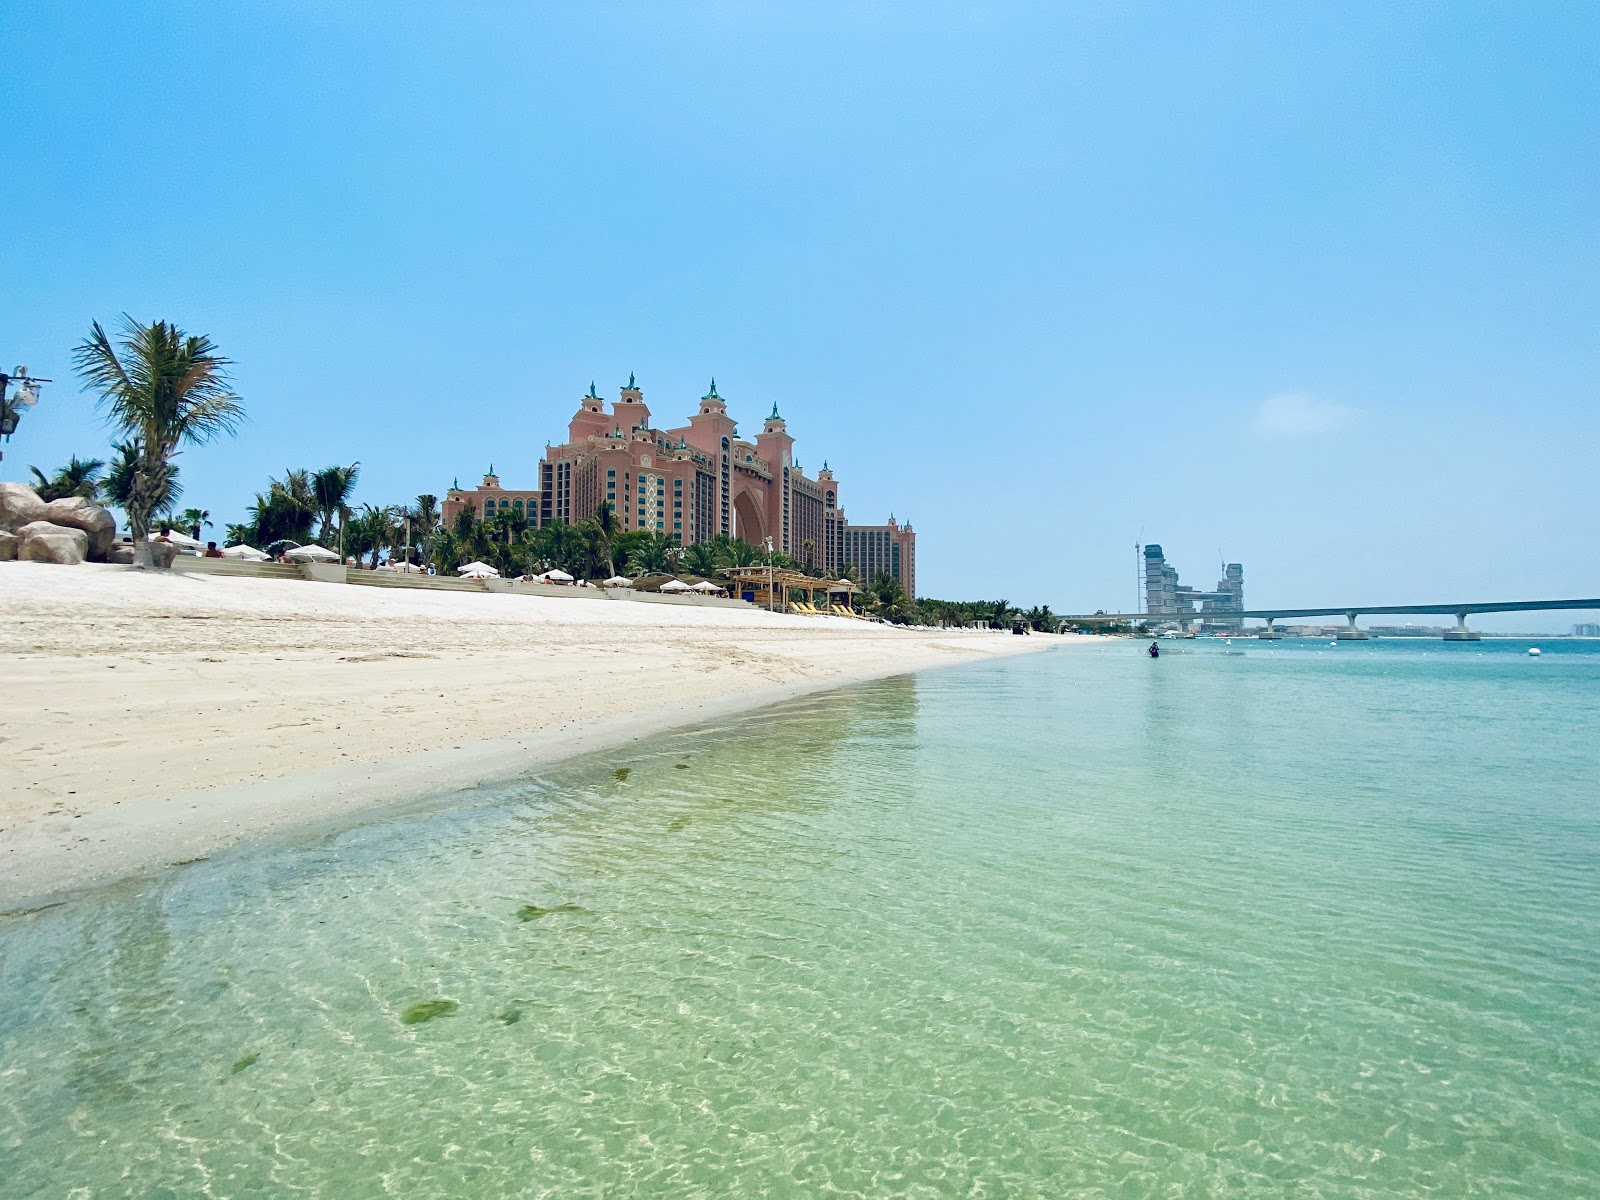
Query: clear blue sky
<point x="1317" y="286"/>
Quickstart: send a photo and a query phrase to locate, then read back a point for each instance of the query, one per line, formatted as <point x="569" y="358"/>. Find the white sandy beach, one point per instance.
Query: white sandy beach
<point x="151" y="718"/>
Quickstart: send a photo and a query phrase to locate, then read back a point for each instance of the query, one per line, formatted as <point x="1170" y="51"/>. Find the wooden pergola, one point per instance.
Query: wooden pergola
<point x="750" y="583"/>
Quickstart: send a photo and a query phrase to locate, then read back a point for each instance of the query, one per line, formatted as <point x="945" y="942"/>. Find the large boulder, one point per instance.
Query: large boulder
<point x="40" y="541"/>
<point x="19" y="504"/>
<point x="8" y="546"/>
<point x="162" y="554"/>
<point x="122" y="553"/>
<point x="77" y="513"/>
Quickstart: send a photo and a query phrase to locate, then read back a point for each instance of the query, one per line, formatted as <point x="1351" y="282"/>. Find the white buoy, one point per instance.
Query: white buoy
<point x="1533" y="652"/>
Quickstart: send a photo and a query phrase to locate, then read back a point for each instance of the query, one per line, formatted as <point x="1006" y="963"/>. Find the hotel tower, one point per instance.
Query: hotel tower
<point x="695" y="482"/>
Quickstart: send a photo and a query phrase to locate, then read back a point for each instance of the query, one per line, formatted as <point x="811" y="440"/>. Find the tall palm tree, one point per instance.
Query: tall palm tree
<point x="192" y="518"/>
<point x="163" y="389"/>
<point x="117" y="487"/>
<point x="80" y="477"/>
<point x="425" y="514"/>
<point x="605" y="519"/>
<point x="333" y="488"/>
<point x="381" y="526"/>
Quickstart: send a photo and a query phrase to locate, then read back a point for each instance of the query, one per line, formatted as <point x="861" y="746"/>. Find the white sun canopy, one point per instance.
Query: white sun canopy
<point x="312" y="553"/>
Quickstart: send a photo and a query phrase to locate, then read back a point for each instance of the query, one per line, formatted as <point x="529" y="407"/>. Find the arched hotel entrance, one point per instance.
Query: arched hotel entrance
<point x="747" y="520"/>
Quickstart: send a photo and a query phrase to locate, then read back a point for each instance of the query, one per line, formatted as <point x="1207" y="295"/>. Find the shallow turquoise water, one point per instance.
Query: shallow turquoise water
<point x="1302" y="921"/>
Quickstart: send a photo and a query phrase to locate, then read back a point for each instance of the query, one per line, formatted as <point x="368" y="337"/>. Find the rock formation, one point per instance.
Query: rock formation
<point x="77" y="513"/>
<point x="40" y="541"/>
<point x="20" y="506"/>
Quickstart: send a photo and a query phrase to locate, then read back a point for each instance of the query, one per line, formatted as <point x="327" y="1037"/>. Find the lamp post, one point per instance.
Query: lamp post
<point x="11" y="407"/>
<point x="772" y="600"/>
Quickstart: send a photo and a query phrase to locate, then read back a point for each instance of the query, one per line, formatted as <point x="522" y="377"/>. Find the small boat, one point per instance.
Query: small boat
<point x="1534" y="652"/>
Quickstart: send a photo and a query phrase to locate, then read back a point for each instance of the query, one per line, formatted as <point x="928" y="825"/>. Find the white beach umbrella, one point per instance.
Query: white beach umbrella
<point x="312" y="553"/>
<point x="705" y="585"/>
<point x="556" y="576"/>
<point x="183" y="539"/>
<point x="676" y="585"/>
<point x="248" y="553"/>
<point x="477" y="568"/>
<point x="481" y="573"/>
<point x="619" y="581"/>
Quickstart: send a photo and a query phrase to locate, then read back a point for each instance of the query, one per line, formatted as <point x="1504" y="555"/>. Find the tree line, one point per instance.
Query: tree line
<point x="162" y="390"/>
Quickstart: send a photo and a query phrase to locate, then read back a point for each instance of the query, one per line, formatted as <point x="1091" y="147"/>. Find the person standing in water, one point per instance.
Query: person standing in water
<point x="1155" y="650"/>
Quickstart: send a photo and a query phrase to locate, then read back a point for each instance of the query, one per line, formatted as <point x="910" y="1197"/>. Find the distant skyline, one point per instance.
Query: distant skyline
<point x="1311" y="288"/>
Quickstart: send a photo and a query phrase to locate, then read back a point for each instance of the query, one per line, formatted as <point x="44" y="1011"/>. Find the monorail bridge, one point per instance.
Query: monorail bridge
<point x="1349" y="611"/>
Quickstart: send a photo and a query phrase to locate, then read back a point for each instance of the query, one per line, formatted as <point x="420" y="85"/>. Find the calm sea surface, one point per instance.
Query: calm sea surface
<point x="1304" y="920"/>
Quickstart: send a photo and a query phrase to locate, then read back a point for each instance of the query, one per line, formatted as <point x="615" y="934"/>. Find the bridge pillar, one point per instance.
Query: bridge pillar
<point x="1269" y="634"/>
<point x="1353" y="634"/>
<point x="1461" y="633"/>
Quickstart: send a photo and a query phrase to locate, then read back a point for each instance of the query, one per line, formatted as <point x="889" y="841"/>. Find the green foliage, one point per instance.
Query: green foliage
<point x="332" y="489"/>
<point x="885" y="598"/>
<point x="652" y="552"/>
<point x="80" y="477"/>
<point x="161" y="389"/>
<point x="117" y="487"/>
<point x="284" y="512"/>
<point x="191" y="519"/>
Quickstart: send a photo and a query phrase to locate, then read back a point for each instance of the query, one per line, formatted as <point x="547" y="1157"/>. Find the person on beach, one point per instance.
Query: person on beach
<point x="211" y="551"/>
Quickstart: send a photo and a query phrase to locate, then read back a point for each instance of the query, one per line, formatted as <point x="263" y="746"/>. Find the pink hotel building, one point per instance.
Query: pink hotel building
<point x="694" y="483"/>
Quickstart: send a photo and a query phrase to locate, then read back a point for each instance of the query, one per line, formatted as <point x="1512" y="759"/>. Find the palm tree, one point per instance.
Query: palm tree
<point x="332" y="487"/>
<point x="559" y="545"/>
<point x="887" y="598"/>
<point x="117" y="487"/>
<point x="425" y="514"/>
<point x="80" y="477"/>
<point x="381" y="526"/>
<point x="444" y="551"/>
<point x="192" y="518"/>
<point x="651" y="555"/>
<point x="736" y="552"/>
<point x="162" y="389"/>
<point x="701" y="559"/>
<point x="605" y="519"/>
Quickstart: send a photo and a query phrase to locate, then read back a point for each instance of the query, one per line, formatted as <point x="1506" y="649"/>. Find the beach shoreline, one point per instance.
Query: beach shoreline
<point x="155" y="718"/>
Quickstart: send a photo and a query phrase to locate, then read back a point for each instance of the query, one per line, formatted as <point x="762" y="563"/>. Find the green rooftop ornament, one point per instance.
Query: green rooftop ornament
<point x="630" y="379"/>
<point x="774" y="416"/>
<point x="712" y="394"/>
<point x="592" y="396"/>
